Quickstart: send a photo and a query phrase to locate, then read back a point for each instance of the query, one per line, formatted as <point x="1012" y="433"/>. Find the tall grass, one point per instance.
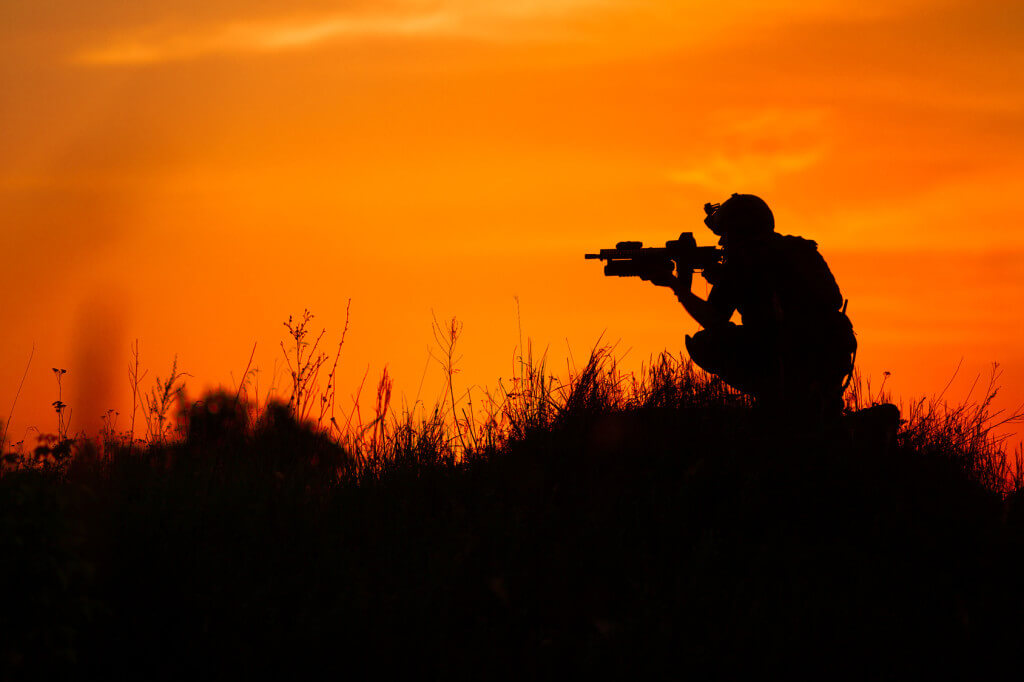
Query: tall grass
<point x="970" y="435"/>
<point x="478" y="422"/>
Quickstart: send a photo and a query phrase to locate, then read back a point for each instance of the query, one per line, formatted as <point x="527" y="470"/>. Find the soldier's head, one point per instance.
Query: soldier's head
<point x="742" y="217"/>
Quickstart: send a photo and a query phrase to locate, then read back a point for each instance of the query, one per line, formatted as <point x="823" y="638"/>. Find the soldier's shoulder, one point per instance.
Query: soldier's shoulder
<point x="790" y="241"/>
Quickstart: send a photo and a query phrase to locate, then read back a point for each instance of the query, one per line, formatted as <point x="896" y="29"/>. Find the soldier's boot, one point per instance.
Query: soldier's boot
<point x="875" y="428"/>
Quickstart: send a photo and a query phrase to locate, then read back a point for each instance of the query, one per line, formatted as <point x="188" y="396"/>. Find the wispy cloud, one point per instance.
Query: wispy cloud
<point x="407" y="18"/>
<point x="746" y="170"/>
<point x="155" y="45"/>
<point x="640" y="23"/>
<point x="756" y="148"/>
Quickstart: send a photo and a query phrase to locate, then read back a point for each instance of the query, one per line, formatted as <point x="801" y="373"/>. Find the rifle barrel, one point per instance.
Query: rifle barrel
<point x="623" y="254"/>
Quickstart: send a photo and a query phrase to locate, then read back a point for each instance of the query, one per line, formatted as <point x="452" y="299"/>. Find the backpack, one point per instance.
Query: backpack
<point x="811" y="305"/>
<point x="803" y="282"/>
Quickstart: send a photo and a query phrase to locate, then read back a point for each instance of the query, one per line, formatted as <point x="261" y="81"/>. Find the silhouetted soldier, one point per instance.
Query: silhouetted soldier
<point x="795" y="346"/>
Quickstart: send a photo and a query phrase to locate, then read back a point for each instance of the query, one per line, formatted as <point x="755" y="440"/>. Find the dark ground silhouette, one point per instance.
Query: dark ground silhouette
<point x="678" y="538"/>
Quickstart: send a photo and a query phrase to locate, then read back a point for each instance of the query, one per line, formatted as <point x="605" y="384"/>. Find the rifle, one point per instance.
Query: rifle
<point x="633" y="259"/>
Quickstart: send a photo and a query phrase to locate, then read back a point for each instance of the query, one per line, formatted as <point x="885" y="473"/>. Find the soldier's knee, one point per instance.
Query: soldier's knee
<point x="700" y="348"/>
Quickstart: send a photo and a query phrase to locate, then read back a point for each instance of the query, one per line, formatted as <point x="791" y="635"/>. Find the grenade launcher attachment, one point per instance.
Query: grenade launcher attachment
<point x="633" y="259"/>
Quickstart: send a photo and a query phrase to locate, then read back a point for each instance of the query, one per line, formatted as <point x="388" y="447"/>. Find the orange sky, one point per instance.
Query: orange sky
<point x="189" y="173"/>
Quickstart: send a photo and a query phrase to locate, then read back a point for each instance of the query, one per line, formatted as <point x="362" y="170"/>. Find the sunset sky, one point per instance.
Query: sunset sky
<point x="188" y="173"/>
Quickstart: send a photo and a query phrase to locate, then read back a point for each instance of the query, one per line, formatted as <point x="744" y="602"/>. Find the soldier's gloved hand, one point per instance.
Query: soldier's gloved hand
<point x="713" y="273"/>
<point x="683" y="280"/>
<point x="659" y="273"/>
<point x="659" y="278"/>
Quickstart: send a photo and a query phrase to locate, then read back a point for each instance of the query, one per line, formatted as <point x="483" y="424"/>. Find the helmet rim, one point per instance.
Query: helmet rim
<point x="741" y="214"/>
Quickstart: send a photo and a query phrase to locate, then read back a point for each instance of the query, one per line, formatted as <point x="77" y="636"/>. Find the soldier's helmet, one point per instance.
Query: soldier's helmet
<point x="741" y="215"/>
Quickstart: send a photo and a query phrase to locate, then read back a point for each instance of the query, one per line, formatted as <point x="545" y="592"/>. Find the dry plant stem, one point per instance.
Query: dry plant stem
<point x="1017" y="480"/>
<point x="519" y="326"/>
<point x="58" y="406"/>
<point x="307" y="365"/>
<point x="245" y="374"/>
<point x="256" y="387"/>
<point x="355" y="404"/>
<point x="446" y="340"/>
<point x="10" y="415"/>
<point x="163" y="395"/>
<point x="469" y="421"/>
<point x="950" y="382"/>
<point x="307" y="402"/>
<point x="377" y="438"/>
<point x="327" y="402"/>
<point x="423" y="377"/>
<point x="108" y="431"/>
<point x="134" y="379"/>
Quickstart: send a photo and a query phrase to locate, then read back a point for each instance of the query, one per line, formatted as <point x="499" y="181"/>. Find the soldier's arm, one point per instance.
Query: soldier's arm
<point x="713" y="312"/>
<point x="710" y="313"/>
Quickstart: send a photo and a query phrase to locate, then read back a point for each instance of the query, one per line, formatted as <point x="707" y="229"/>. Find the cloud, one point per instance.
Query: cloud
<point x="161" y="45"/>
<point x="753" y="149"/>
<point x="745" y="170"/>
<point x="638" y="23"/>
<point x="408" y="18"/>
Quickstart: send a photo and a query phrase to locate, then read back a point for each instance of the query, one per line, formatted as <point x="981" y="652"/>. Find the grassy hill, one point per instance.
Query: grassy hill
<point x="655" y="527"/>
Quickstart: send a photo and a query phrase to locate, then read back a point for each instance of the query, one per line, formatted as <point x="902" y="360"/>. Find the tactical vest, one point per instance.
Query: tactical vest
<point x="787" y="293"/>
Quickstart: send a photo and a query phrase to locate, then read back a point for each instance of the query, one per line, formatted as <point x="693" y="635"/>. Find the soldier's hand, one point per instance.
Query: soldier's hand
<point x="683" y="280"/>
<point x="658" y="272"/>
<point x="659" y="278"/>
<point x="713" y="273"/>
